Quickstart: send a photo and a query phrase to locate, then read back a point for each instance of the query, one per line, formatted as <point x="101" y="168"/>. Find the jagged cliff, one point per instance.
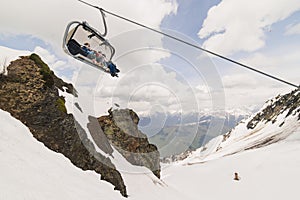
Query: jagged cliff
<point x="120" y="127"/>
<point x="30" y="93"/>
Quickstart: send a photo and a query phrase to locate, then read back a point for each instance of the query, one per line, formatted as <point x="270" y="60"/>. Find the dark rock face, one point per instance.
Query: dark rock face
<point x="288" y="102"/>
<point x="29" y="92"/>
<point x="98" y="136"/>
<point x="120" y="127"/>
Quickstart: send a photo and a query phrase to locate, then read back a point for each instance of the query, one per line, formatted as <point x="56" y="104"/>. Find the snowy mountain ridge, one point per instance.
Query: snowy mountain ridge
<point x="29" y="170"/>
<point x="187" y="132"/>
<point x="278" y="118"/>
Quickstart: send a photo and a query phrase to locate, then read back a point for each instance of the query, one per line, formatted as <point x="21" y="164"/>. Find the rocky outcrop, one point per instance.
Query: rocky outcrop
<point x="30" y="93"/>
<point x="120" y="127"/>
<point x="98" y="136"/>
<point x="289" y="103"/>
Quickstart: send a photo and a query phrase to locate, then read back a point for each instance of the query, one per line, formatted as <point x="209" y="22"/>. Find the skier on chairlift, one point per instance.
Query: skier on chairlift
<point x="72" y="44"/>
<point x="87" y="49"/>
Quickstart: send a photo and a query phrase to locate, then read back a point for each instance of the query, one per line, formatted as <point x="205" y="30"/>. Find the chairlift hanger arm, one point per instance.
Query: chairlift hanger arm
<point x="102" y="15"/>
<point x="194" y="46"/>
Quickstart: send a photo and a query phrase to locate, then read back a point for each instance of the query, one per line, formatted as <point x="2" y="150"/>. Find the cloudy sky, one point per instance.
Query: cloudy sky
<point x="157" y="73"/>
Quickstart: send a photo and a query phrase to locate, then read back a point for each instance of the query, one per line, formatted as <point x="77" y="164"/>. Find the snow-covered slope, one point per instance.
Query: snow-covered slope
<point x="269" y="173"/>
<point x="265" y="155"/>
<point x="29" y="170"/>
<point x="261" y="129"/>
<point x="7" y="55"/>
<point x="260" y="169"/>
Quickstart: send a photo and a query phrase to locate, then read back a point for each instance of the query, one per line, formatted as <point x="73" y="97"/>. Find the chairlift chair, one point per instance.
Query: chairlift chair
<point x="79" y="33"/>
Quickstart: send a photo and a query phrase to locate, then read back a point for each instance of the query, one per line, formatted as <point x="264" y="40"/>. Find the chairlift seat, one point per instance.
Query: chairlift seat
<point x="75" y="48"/>
<point x="77" y="34"/>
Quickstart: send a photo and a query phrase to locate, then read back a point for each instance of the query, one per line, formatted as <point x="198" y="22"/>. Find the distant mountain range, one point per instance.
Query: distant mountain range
<point x="176" y="133"/>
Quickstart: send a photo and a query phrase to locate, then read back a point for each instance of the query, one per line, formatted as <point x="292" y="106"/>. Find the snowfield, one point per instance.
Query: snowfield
<point x="269" y="173"/>
<point x="28" y="170"/>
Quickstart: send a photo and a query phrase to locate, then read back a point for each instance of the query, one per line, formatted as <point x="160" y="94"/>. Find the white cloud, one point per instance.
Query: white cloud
<point x="57" y="65"/>
<point x="243" y="87"/>
<point x="203" y="89"/>
<point x="240" y="80"/>
<point x="283" y="63"/>
<point x="45" y="55"/>
<point x="235" y="25"/>
<point x="241" y="94"/>
<point x="293" y="29"/>
<point x="246" y="89"/>
<point x="47" y="19"/>
<point x="148" y="86"/>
